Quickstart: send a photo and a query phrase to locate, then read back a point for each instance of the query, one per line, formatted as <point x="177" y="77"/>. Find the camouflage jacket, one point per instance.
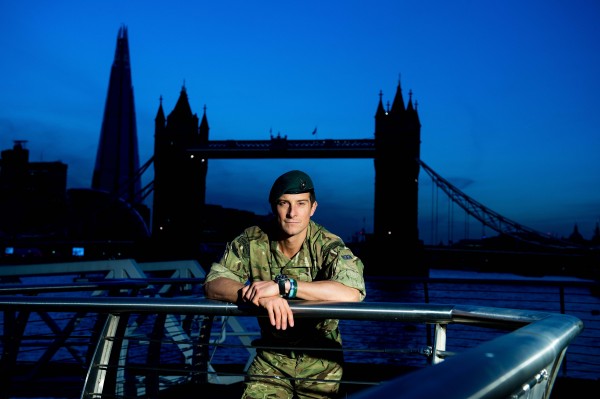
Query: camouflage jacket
<point x="254" y="256"/>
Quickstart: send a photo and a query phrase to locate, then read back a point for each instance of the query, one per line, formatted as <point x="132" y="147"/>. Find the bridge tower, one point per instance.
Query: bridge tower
<point x="397" y="153"/>
<point x="179" y="178"/>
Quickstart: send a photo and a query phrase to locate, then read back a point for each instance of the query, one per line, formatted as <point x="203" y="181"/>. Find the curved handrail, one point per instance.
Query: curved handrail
<point x="501" y="368"/>
<point x="532" y="351"/>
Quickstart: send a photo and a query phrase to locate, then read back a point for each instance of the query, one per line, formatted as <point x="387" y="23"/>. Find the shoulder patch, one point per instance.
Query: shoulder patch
<point x="346" y="257"/>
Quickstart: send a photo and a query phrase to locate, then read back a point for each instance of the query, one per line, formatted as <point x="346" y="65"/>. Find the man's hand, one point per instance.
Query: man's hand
<point x="258" y="290"/>
<point x="265" y="294"/>
<point x="279" y="311"/>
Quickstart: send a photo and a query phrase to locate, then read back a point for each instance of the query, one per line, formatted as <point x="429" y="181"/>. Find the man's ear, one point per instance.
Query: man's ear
<point x="314" y="208"/>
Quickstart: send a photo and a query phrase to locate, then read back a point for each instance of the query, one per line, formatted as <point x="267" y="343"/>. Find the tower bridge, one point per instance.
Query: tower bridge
<point x="281" y="147"/>
<point x="180" y="208"/>
<point x="183" y="149"/>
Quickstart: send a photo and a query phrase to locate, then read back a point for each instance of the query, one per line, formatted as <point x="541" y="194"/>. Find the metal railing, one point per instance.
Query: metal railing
<point x="143" y="329"/>
<point x="525" y="360"/>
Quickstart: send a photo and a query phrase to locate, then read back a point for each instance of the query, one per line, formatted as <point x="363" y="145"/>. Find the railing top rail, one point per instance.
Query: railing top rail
<point x="78" y="286"/>
<point x="377" y="311"/>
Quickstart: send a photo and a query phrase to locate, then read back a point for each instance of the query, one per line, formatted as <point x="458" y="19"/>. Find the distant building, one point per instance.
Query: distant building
<point x="576" y="236"/>
<point x="32" y="195"/>
<point x="41" y="218"/>
<point x="595" y="241"/>
<point x="117" y="159"/>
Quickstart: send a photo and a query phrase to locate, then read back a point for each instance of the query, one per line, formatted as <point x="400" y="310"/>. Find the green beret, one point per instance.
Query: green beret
<point x="292" y="182"/>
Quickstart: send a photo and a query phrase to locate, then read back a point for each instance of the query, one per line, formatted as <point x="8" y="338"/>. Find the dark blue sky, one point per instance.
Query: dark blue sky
<point x="508" y="94"/>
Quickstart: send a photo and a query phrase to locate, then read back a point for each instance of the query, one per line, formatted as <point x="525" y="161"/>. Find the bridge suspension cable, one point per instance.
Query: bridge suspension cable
<point x="148" y="188"/>
<point x="493" y="219"/>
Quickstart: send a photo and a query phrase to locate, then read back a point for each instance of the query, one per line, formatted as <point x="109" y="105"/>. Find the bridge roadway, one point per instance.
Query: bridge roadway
<point x="281" y="147"/>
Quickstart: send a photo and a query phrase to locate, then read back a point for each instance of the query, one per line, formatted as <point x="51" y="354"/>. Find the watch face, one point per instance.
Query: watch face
<point x="280" y="279"/>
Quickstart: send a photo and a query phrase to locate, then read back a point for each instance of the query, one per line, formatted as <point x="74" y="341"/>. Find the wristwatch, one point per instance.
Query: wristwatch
<point x="281" y="279"/>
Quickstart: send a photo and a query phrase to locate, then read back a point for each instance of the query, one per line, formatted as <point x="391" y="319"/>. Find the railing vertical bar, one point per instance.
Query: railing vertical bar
<point x="101" y="377"/>
<point x="439" y="343"/>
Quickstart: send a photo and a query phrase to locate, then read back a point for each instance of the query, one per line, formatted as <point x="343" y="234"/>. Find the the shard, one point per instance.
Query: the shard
<point x="117" y="160"/>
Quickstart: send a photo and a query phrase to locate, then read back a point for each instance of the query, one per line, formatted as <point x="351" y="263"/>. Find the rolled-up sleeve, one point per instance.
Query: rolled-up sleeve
<point x="230" y="266"/>
<point x="348" y="269"/>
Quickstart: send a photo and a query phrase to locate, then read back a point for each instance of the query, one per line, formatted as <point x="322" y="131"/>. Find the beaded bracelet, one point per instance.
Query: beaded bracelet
<point x="293" y="289"/>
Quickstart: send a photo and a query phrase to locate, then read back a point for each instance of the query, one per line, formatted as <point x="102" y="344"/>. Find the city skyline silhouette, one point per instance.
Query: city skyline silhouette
<point x="528" y="155"/>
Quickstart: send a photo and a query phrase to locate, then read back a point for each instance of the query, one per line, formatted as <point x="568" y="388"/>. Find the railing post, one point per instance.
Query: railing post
<point x="201" y="357"/>
<point x="14" y="326"/>
<point x="152" y="380"/>
<point x="439" y="343"/>
<point x="101" y="376"/>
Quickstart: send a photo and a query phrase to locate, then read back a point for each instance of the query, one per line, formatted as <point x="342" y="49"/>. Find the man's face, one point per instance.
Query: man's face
<point x="294" y="212"/>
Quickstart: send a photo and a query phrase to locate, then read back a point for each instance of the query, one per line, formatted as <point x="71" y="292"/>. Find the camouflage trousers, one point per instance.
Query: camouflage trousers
<point x="287" y="375"/>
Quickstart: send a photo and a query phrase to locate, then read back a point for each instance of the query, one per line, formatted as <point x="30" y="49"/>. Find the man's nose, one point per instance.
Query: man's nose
<point x="291" y="210"/>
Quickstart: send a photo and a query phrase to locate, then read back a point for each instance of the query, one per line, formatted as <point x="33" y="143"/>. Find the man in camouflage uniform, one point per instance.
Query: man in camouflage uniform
<point x="290" y="257"/>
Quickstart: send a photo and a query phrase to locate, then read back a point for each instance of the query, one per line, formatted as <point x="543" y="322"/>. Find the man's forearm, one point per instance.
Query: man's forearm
<point x="223" y="289"/>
